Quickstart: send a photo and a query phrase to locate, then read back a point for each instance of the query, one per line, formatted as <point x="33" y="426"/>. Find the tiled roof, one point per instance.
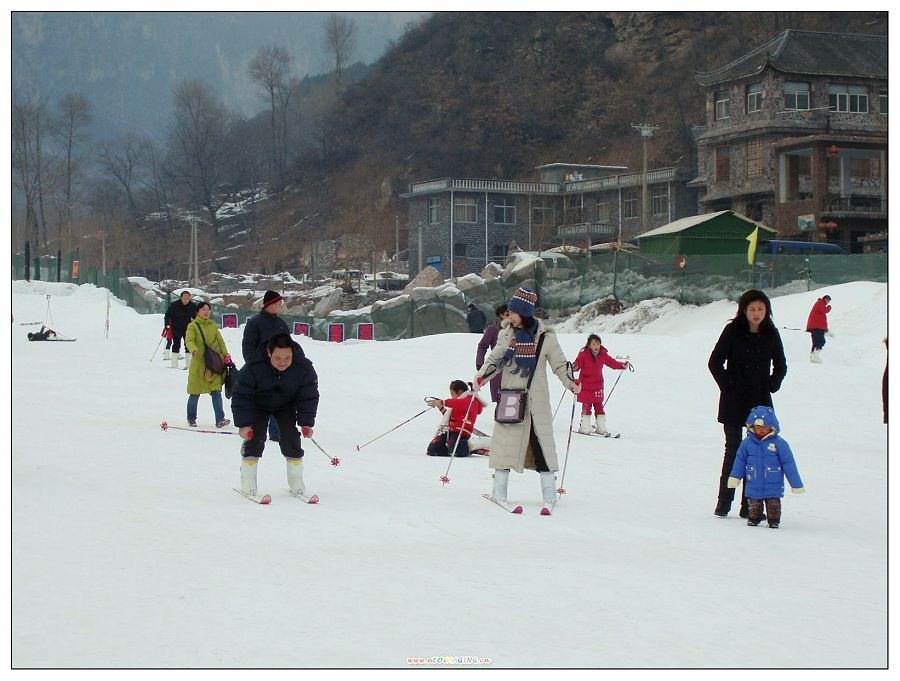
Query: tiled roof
<point x="812" y="53"/>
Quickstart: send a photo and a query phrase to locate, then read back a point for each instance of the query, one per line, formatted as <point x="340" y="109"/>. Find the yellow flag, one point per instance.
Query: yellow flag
<point x="753" y="237"/>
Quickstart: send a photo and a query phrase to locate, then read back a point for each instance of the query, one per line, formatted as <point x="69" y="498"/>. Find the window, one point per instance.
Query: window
<point x="465" y="209"/>
<point x="659" y="199"/>
<point x="754" y="97"/>
<point x="499" y="253"/>
<point x="602" y="210"/>
<point x="882" y="100"/>
<point x="754" y="158"/>
<point x="434" y="210"/>
<point x="723" y="164"/>
<point x="575" y="208"/>
<point x="460" y="250"/>
<point x="629" y="204"/>
<point x="723" y="104"/>
<point x="848" y="98"/>
<point x="796" y="96"/>
<point x="542" y="210"/>
<point x="505" y="211"/>
<point x="865" y="168"/>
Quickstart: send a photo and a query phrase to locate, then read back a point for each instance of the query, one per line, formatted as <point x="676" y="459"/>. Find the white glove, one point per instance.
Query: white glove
<point x="798" y="490"/>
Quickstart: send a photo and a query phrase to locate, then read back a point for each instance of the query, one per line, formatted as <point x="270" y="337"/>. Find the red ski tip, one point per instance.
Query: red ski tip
<point x="545" y="511"/>
<point x="268" y="499"/>
<point x="314" y="499"/>
<point x="164" y="425"/>
<point x="335" y="461"/>
<point x="517" y="509"/>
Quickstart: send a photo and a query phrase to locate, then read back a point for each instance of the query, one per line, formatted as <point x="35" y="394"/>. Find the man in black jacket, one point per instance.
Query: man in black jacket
<point x="283" y="385"/>
<point x="178" y="316"/>
<point x="257" y="332"/>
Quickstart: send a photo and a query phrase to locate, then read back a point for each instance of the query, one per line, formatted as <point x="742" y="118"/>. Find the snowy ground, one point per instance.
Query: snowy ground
<point x="129" y="548"/>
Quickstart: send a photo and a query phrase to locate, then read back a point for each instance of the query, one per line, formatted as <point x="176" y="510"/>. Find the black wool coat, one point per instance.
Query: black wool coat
<point x="259" y="329"/>
<point x="261" y="388"/>
<point x="748" y="368"/>
<point x="179" y="316"/>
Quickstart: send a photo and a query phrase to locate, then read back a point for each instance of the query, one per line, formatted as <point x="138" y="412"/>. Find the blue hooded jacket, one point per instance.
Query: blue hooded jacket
<point x="763" y="464"/>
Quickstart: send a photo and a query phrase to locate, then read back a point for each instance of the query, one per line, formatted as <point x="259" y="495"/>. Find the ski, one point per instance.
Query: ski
<point x="264" y="499"/>
<point x="165" y="426"/>
<point x="509" y="508"/>
<point x="480" y="452"/>
<point x="613" y="436"/>
<point x="314" y="499"/>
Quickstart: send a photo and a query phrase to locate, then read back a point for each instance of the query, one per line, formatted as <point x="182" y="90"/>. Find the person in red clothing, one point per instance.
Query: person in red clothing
<point x="817" y="326"/>
<point x="590" y="362"/>
<point x="460" y="412"/>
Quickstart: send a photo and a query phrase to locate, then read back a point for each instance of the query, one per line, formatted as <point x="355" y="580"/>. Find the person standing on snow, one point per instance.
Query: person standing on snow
<point x="257" y="332"/>
<point x="178" y="316"/>
<point x="475" y="319"/>
<point x="590" y="362"/>
<point x="284" y="385"/>
<point x="817" y="326"/>
<point x="203" y="333"/>
<point x="763" y="461"/>
<point x="460" y="412"/>
<point x="489" y="342"/>
<point x="525" y="347"/>
<point x="748" y="365"/>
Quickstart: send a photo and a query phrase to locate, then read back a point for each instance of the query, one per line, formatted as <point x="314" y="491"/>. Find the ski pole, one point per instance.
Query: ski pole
<point x="791" y="328"/>
<point x="334" y="460"/>
<point x="157" y="349"/>
<point x="571" y="374"/>
<point x="562" y="490"/>
<point x="630" y="368"/>
<point x="359" y="447"/>
<point x="444" y="478"/>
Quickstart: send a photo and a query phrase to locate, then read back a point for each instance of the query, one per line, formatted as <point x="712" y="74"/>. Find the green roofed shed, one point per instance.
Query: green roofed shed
<point x="721" y="233"/>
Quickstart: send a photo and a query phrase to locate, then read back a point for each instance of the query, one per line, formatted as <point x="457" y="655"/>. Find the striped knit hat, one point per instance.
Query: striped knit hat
<point x="523" y="302"/>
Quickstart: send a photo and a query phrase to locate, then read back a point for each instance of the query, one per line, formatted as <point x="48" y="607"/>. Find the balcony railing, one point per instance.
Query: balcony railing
<point x="628" y="180"/>
<point x="472" y="185"/>
<point x="857" y="204"/>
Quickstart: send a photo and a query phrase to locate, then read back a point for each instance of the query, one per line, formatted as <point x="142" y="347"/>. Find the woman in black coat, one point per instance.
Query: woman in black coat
<point x="748" y="364"/>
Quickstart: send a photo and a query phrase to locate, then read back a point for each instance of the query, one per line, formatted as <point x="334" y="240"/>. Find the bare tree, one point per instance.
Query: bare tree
<point x="71" y="131"/>
<point x="269" y="69"/>
<point x="125" y="159"/>
<point x="198" y="143"/>
<point x="340" y="40"/>
<point x="30" y="162"/>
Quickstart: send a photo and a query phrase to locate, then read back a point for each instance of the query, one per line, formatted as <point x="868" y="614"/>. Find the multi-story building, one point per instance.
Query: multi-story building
<point x="796" y="137"/>
<point x="458" y="226"/>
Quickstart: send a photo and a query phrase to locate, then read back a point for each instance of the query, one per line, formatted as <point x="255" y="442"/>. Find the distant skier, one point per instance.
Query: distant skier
<point x="460" y="412"/>
<point x="762" y="462"/>
<point x="257" y="332"/>
<point x="475" y="319"/>
<point x="817" y="326"/>
<point x="284" y="385"/>
<point x="590" y="362"/>
<point x="178" y="316"/>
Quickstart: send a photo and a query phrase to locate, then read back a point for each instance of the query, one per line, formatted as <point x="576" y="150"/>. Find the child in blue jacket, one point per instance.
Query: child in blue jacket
<point x="763" y="460"/>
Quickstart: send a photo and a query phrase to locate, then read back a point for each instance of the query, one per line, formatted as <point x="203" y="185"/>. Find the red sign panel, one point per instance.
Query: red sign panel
<point x="336" y="333"/>
<point x="229" y="320"/>
<point x="301" y="329"/>
<point x="365" y="331"/>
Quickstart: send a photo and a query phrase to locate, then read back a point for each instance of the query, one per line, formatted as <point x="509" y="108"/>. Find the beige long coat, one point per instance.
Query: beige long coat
<point x="510" y="441"/>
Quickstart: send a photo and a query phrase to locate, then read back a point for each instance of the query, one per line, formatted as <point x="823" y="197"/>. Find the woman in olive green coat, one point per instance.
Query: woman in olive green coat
<point x="200" y="380"/>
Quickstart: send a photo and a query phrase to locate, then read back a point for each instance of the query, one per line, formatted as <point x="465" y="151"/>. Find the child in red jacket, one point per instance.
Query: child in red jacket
<point x="590" y="362"/>
<point x="460" y="412"/>
<point x="817" y="326"/>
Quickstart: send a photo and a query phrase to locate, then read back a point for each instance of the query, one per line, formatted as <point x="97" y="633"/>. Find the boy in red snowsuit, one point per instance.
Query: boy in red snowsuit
<point x="590" y="362"/>
<point x="464" y="409"/>
<point x="817" y="326"/>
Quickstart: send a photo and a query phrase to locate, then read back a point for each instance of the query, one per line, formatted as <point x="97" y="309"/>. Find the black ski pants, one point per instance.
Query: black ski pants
<point x="733" y="436"/>
<point x="288" y="438"/>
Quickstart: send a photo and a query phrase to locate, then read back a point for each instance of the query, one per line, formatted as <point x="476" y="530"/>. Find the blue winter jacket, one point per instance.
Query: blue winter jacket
<point x="763" y="464"/>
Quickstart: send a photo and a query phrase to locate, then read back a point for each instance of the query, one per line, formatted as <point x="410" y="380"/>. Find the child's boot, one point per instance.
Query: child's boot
<point x="501" y="482"/>
<point x="773" y="509"/>
<point x="600" y="426"/>
<point x="815" y="357"/>
<point x="585" y="427"/>
<point x="295" y="476"/>
<point x="248" y="475"/>
<point x="754" y="511"/>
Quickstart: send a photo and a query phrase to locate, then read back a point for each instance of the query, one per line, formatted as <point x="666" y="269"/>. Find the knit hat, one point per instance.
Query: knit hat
<point x="270" y="297"/>
<point x="523" y="302"/>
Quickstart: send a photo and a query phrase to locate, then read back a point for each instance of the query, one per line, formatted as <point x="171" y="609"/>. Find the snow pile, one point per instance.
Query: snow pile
<point x="129" y="548"/>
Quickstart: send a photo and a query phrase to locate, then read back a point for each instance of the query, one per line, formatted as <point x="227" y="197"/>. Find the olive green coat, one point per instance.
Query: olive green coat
<point x="201" y="381"/>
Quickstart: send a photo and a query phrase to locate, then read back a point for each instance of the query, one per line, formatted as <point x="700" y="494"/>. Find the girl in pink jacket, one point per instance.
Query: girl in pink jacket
<point x="590" y="362"/>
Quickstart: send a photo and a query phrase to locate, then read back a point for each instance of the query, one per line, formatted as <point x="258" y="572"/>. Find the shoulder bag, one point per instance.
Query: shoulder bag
<point x="512" y="403"/>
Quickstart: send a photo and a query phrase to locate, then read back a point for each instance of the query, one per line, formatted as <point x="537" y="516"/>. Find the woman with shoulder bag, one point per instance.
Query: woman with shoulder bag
<point x="523" y="432"/>
<point x="203" y="337"/>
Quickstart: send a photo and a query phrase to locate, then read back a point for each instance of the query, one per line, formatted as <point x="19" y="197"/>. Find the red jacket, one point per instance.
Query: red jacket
<point x="817" y="318"/>
<point x="459" y="405"/>
<point x="592" y="373"/>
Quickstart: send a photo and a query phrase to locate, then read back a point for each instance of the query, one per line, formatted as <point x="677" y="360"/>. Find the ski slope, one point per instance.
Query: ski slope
<point x="130" y="549"/>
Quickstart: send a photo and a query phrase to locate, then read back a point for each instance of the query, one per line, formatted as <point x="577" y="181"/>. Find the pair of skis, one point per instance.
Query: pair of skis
<point x="613" y="436"/>
<point x="267" y="498"/>
<point x="546" y="509"/>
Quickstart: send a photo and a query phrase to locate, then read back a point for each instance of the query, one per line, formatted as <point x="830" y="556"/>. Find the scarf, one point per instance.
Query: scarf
<point x="523" y="350"/>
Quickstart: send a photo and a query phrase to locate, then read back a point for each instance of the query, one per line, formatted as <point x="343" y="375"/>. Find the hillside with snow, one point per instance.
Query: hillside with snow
<point x="130" y="549"/>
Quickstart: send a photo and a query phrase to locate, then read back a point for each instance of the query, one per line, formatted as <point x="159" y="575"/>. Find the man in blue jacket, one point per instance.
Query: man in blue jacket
<point x="257" y="332"/>
<point x="283" y="385"/>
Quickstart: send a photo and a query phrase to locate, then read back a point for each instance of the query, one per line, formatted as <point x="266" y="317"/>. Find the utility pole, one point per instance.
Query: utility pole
<point x="646" y="131"/>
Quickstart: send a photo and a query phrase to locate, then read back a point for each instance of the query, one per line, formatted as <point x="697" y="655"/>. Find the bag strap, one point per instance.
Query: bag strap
<point x="537" y="354"/>
<point x="205" y="344"/>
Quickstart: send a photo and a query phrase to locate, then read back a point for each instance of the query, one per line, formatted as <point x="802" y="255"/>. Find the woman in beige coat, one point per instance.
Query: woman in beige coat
<point x="529" y="444"/>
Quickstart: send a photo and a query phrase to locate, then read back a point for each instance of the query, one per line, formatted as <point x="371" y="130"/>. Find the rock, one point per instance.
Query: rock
<point x="428" y="277"/>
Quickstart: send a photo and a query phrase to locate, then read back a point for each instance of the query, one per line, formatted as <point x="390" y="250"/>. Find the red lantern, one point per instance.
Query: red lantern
<point x="833" y="150"/>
